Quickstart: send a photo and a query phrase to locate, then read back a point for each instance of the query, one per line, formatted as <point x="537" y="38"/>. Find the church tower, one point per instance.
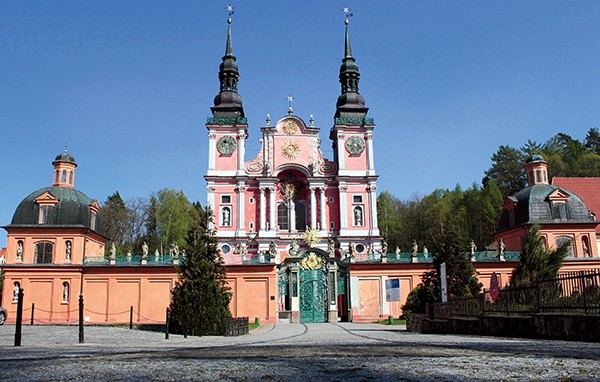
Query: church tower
<point x="227" y="133"/>
<point x="352" y="136"/>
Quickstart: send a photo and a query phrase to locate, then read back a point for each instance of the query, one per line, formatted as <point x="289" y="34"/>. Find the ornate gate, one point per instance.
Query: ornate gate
<point x="312" y="295"/>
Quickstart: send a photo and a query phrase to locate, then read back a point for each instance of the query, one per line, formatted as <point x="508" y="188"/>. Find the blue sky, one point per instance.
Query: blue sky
<point x="129" y="85"/>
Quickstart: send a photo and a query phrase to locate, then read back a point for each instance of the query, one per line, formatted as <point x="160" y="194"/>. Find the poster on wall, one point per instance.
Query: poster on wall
<point x="392" y="290"/>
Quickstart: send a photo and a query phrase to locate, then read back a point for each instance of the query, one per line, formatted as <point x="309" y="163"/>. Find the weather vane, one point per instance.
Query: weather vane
<point x="347" y="13"/>
<point x="290" y="100"/>
<point x="231" y="11"/>
<point x="66" y="146"/>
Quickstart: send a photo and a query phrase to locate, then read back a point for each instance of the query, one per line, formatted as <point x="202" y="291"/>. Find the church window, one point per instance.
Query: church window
<point x="56" y="176"/>
<point x="300" y="216"/>
<point x="538" y="176"/>
<point x="45" y="214"/>
<point x="71" y="178"/>
<point x="282" y="216"/>
<point x="565" y="240"/>
<point x="357" y="198"/>
<point x="360" y="248"/>
<point x="225" y="249"/>
<point x="545" y="176"/>
<point x="559" y="211"/>
<point x="43" y="253"/>
<point x="93" y="220"/>
<point x="530" y="177"/>
<point x="225" y="199"/>
<point x="63" y="178"/>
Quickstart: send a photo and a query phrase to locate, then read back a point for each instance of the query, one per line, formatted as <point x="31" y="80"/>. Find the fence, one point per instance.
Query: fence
<point x="236" y="326"/>
<point x="573" y="292"/>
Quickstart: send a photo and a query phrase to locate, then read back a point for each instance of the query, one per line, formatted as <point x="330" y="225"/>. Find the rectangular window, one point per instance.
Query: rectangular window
<point x="357" y="198"/>
<point x="225" y="199"/>
<point x="45" y="214"/>
<point x="43" y="253"/>
<point x="93" y="221"/>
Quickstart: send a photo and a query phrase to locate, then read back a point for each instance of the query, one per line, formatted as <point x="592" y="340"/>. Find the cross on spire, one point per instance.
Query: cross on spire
<point x="66" y="146"/>
<point x="290" y="100"/>
<point x="231" y="12"/>
<point x="347" y="14"/>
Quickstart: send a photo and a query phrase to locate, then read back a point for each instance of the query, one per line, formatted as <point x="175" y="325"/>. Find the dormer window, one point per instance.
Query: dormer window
<point x="45" y="214"/>
<point x="559" y="211"/>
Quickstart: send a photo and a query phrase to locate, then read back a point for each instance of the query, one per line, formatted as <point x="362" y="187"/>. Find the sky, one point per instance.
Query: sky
<point x="128" y="85"/>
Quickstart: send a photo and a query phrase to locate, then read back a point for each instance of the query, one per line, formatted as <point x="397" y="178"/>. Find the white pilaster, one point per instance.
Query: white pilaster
<point x="272" y="209"/>
<point x="313" y="209"/>
<point x="210" y="203"/>
<point x="370" y="154"/>
<point x="372" y="190"/>
<point x="241" y="150"/>
<point x="343" y="208"/>
<point x="341" y="152"/>
<point x="211" y="150"/>
<point x="241" y="229"/>
<point x="263" y="206"/>
<point x="292" y="213"/>
<point x="323" y="205"/>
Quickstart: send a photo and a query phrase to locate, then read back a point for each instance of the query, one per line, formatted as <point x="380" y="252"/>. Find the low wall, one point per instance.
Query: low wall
<point x="548" y="326"/>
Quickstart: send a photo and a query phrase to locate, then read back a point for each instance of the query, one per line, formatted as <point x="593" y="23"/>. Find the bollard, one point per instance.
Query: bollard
<point x="32" y="309"/>
<point x="391" y="320"/>
<point x="167" y="324"/>
<point x="19" y="317"/>
<point x="131" y="317"/>
<point x="81" y="318"/>
<point x="256" y="321"/>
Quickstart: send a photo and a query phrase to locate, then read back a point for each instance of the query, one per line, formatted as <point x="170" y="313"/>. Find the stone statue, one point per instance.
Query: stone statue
<point x="183" y="253"/>
<point x="330" y="246"/>
<point x="20" y="251"/>
<point x="425" y="252"/>
<point x="129" y="255"/>
<point x="415" y="248"/>
<point x="293" y="251"/>
<point x="358" y="220"/>
<point x="2" y="260"/>
<point x="272" y="250"/>
<point x="68" y="251"/>
<point x="66" y="292"/>
<point x="397" y="250"/>
<point x="350" y="249"/>
<point x="384" y="248"/>
<point x="226" y="216"/>
<point x="176" y="252"/>
<point x="144" y="251"/>
<point x="241" y="250"/>
<point x="501" y="247"/>
<point x="473" y="248"/>
<point x="586" y="250"/>
<point x="113" y="251"/>
<point x="16" y="292"/>
<point x="156" y="254"/>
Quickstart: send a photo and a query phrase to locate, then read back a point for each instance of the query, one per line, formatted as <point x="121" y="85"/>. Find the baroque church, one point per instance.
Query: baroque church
<point x="297" y="231"/>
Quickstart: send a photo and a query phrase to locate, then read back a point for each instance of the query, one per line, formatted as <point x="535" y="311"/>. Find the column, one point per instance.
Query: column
<point x="369" y="139"/>
<point x="210" y="203"/>
<point x="241" y="150"/>
<point x="272" y="209"/>
<point x="263" y="206"/>
<point x="313" y="209"/>
<point x="323" y="205"/>
<point x="341" y="152"/>
<point x="373" y="206"/>
<point x="211" y="150"/>
<point x="292" y="215"/>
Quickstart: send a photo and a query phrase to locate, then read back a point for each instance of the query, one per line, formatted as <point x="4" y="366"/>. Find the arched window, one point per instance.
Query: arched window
<point x="63" y="178"/>
<point x="300" y="216"/>
<point x="538" y="176"/>
<point x="71" y="178"/>
<point x="43" y="252"/>
<point x="565" y="240"/>
<point x="93" y="220"/>
<point x="282" y="216"/>
<point x="56" y="176"/>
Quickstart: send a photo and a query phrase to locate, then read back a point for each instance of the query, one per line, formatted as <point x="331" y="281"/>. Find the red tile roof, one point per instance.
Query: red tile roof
<point x="588" y="190"/>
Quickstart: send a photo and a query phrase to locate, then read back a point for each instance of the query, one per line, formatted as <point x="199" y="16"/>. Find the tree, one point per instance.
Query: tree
<point x="114" y="216"/>
<point x="172" y="216"/>
<point x="537" y="262"/>
<point x="507" y="170"/>
<point x="592" y="140"/>
<point x="201" y="296"/>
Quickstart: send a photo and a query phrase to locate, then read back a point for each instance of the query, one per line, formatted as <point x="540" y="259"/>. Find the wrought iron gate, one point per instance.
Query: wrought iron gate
<point x="312" y="295"/>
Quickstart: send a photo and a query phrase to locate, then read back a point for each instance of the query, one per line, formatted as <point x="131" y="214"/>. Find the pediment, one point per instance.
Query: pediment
<point x="558" y="195"/>
<point x="47" y="199"/>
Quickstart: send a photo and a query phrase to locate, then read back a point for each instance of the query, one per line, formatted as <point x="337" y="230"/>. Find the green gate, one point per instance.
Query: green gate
<point x="312" y="295"/>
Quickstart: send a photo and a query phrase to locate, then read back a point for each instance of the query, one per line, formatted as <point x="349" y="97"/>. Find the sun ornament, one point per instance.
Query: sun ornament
<point x="290" y="150"/>
<point x="311" y="237"/>
<point x="290" y="127"/>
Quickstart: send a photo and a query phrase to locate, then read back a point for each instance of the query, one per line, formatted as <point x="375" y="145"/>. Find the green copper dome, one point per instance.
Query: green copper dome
<point x="71" y="210"/>
<point x="64" y="157"/>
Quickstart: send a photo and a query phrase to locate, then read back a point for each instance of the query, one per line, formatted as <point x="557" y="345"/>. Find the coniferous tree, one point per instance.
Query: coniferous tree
<point x="201" y="297"/>
<point x="537" y="262"/>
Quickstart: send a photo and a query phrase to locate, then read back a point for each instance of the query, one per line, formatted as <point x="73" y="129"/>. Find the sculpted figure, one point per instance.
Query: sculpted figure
<point x="586" y="250"/>
<point x="358" y="220"/>
<point x="16" y="292"/>
<point x="20" y="251"/>
<point x="68" y="251"/>
<point x="425" y="252"/>
<point x="144" y="251"/>
<point x="113" y="251"/>
<point x="66" y="292"/>
<point x="415" y="248"/>
<point x="293" y="248"/>
<point x="473" y="248"/>
<point x="384" y="247"/>
<point x="272" y="250"/>
<point x="330" y="246"/>
<point x="500" y="247"/>
<point x="226" y="216"/>
<point x="176" y="251"/>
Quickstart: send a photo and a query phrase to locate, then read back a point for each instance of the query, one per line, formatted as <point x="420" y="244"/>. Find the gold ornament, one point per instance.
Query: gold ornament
<point x="311" y="237"/>
<point x="312" y="262"/>
<point x="290" y="150"/>
<point x="290" y="127"/>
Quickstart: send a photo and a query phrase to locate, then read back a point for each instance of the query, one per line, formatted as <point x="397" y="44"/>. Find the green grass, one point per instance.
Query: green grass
<point x="387" y="322"/>
<point x="253" y="325"/>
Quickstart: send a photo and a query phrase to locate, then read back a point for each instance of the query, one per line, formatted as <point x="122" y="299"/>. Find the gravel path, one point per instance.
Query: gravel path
<point x="289" y="352"/>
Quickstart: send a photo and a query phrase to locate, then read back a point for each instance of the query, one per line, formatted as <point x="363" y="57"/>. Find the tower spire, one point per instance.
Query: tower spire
<point x="228" y="103"/>
<point x="350" y="104"/>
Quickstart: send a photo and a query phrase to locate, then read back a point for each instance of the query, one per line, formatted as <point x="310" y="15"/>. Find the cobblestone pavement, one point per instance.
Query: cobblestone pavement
<point x="288" y="352"/>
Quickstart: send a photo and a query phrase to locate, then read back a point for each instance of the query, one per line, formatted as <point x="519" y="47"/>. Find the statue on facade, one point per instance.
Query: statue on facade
<point x="113" y="251"/>
<point x="501" y="250"/>
<point x="226" y="216"/>
<point x="156" y="255"/>
<point x="358" y="218"/>
<point x="175" y="251"/>
<point x="473" y="249"/>
<point x="65" y="292"/>
<point x="330" y="246"/>
<point x="241" y="250"/>
<point x="415" y="248"/>
<point x="2" y="260"/>
<point x="397" y="250"/>
<point x="293" y="251"/>
<point x="425" y="252"/>
<point x="272" y="249"/>
<point x="144" y="251"/>
<point x="68" y="251"/>
<point x="586" y="250"/>
<point x="350" y="250"/>
<point x="16" y="292"/>
<point x="20" y="251"/>
<point x="129" y="255"/>
<point x="384" y="248"/>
